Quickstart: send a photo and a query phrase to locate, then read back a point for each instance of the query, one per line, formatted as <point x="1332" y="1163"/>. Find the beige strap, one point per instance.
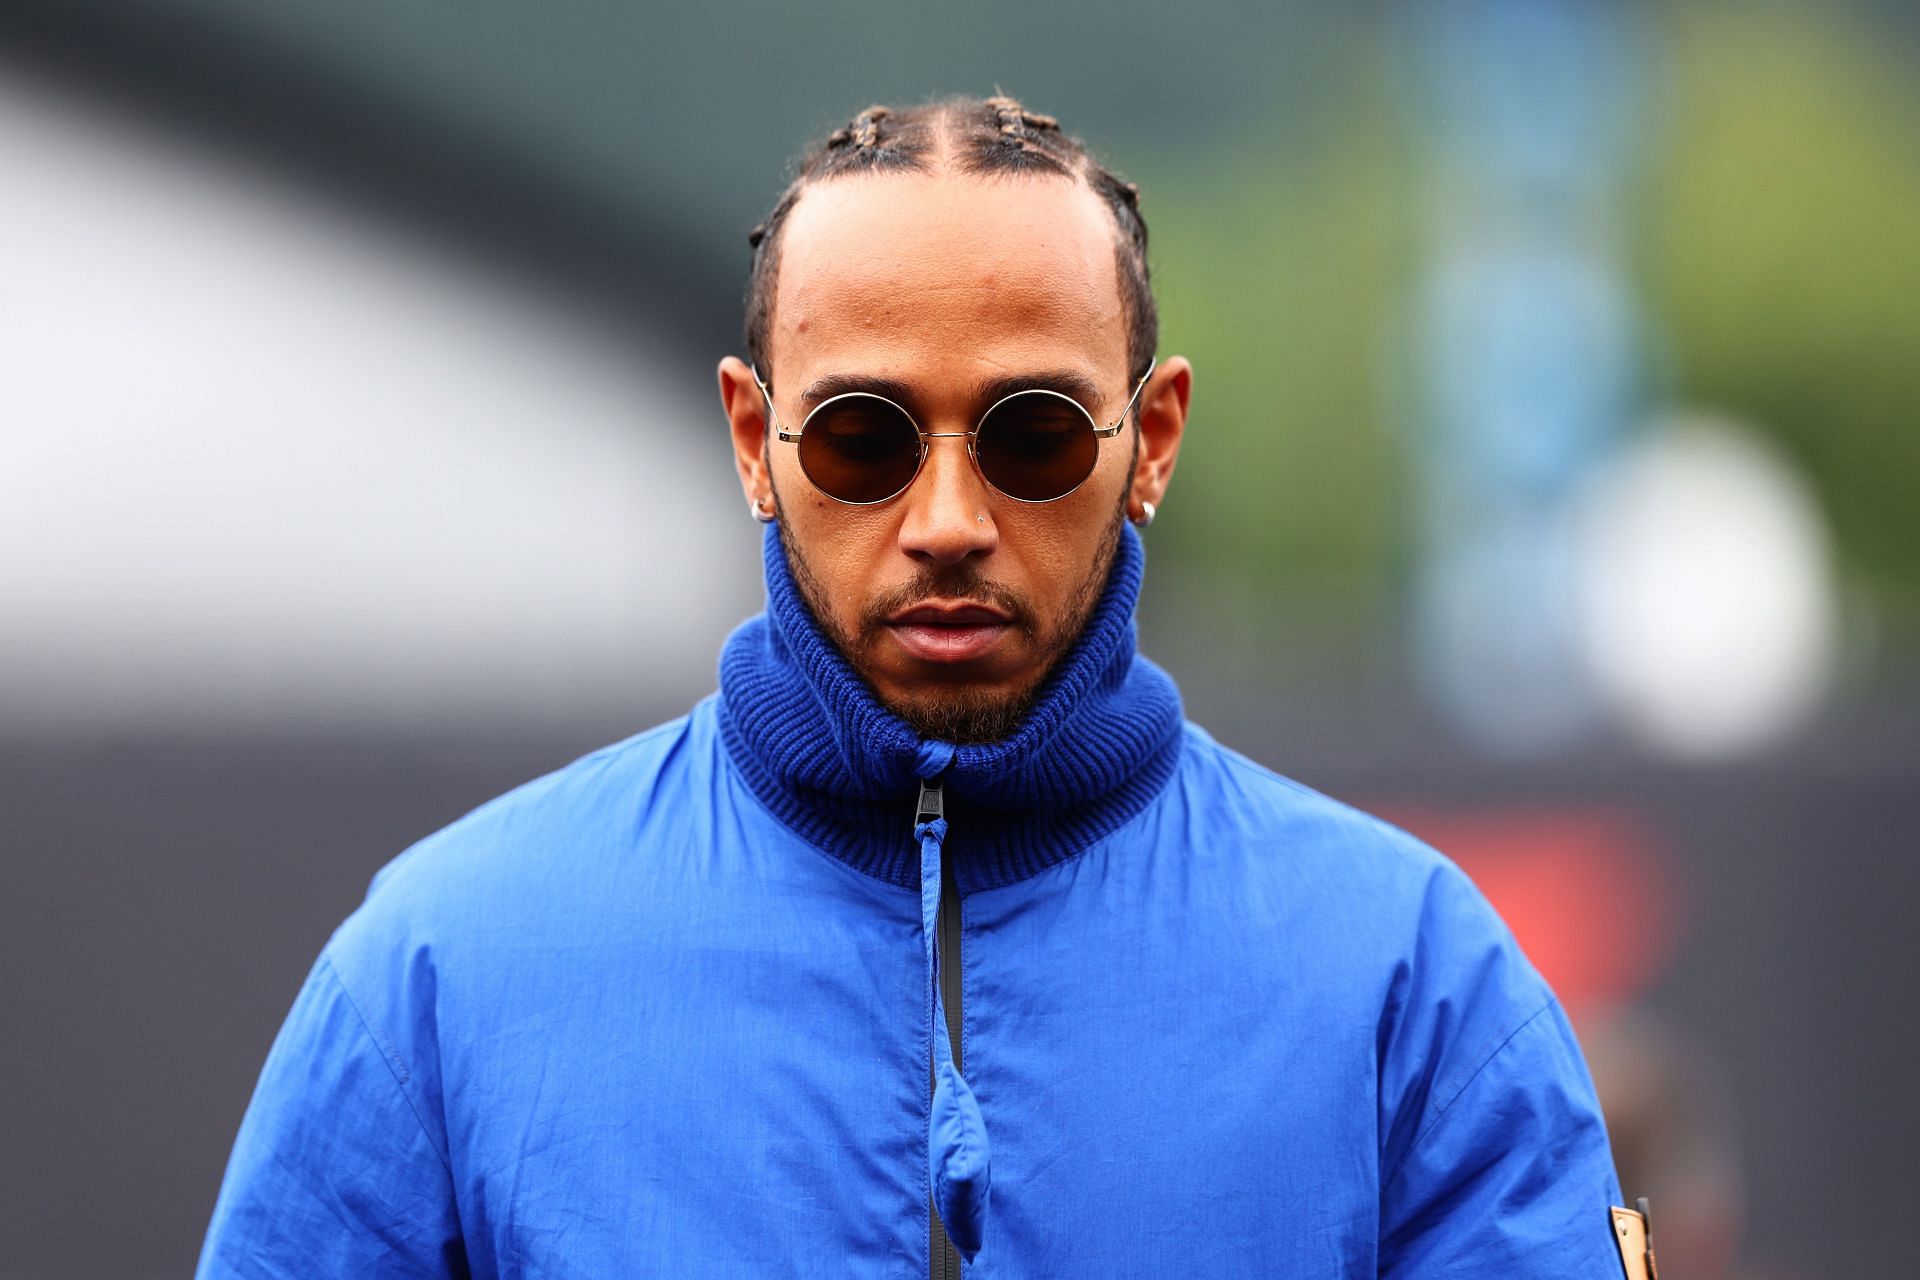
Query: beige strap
<point x="1636" y="1244"/>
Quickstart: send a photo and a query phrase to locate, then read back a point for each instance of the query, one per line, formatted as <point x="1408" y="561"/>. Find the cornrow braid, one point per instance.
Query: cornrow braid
<point x="866" y="126"/>
<point x="1017" y="124"/>
<point x="980" y="136"/>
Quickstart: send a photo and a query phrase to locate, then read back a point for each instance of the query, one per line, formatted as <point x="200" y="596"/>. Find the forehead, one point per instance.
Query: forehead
<point x="920" y="275"/>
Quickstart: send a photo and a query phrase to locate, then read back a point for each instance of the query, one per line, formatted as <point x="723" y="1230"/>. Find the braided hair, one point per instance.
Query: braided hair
<point x="993" y="135"/>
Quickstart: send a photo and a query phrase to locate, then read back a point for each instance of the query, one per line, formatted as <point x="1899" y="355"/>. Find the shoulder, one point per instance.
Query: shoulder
<point x="1377" y="905"/>
<point x="1253" y="794"/>
<point x="550" y="839"/>
<point x="1319" y="844"/>
<point x="591" y="797"/>
<point x="478" y="917"/>
<point x="1348" y="860"/>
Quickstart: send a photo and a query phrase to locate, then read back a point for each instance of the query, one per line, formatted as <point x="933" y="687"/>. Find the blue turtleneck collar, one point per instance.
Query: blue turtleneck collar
<point x="842" y="771"/>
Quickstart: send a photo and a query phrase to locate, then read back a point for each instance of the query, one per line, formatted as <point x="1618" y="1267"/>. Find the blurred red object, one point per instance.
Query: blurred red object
<point x="1587" y="891"/>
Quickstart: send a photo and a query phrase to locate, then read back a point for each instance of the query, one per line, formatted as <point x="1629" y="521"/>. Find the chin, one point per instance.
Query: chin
<point x="962" y="716"/>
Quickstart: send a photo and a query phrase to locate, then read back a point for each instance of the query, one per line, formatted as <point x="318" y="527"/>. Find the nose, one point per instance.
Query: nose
<point x="945" y="504"/>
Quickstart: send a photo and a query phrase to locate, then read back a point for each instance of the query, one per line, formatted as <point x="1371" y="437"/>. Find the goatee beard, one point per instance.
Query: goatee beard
<point x="957" y="714"/>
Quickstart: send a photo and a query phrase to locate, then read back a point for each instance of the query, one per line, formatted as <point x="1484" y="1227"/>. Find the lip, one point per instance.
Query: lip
<point x="950" y="613"/>
<point x="947" y="631"/>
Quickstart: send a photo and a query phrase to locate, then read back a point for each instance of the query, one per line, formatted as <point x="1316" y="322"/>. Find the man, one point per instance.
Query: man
<point x="935" y="934"/>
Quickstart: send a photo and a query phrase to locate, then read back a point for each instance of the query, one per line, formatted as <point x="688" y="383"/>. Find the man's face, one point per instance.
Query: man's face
<point x="952" y="600"/>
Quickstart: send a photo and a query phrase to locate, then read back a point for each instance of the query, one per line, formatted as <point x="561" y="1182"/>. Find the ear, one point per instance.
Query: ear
<point x="746" y="411"/>
<point x="1163" y="417"/>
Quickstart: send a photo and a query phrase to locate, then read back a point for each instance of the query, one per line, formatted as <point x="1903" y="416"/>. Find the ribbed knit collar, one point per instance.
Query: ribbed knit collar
<point x="818" y="749"/>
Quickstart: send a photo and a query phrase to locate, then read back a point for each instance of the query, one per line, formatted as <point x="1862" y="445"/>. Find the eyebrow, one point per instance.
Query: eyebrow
<point x="1068" y="382"/>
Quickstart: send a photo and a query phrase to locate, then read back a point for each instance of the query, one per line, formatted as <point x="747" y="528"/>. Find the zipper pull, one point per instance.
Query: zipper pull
<point x="958" y="1172"/>
<point x="932" y="803"/>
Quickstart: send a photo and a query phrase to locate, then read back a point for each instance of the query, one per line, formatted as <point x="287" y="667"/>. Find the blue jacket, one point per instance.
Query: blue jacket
<point x="670" y="1012"/>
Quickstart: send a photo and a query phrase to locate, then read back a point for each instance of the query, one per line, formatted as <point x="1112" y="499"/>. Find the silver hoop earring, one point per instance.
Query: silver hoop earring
<point x="1146" y="515"/>
<point x="758" y="512"/>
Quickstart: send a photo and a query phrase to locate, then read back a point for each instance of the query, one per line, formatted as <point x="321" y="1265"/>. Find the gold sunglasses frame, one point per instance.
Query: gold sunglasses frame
<point x="1099" y="433"/>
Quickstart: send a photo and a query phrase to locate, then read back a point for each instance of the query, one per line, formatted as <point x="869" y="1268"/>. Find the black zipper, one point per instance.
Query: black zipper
<point x="943" y="1257"/>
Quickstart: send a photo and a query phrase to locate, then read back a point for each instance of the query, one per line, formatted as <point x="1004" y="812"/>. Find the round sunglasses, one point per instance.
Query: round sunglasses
<point x="1033" y="446"/>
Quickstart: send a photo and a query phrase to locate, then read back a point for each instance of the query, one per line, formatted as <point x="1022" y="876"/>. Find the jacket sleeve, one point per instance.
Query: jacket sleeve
<point x="1494" y="1157"/>
<point x="1513" y="1176"/>
<point x="334" y="1173"/>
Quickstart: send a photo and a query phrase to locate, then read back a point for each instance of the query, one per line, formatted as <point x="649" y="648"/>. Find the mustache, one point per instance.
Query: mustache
<point x="948" y="582"/>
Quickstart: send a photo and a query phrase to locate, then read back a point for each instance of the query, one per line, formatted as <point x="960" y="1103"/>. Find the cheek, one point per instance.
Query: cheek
<point x="845" y="548"/>
<point x="783" y="465"/>
<point x="1060" y="546"/>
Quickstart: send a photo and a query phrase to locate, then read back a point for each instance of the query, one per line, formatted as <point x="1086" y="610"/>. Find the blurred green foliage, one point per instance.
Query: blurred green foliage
<point x="1774" y="236"/>
<point x="1781" y="234"/>
<point x="1278" y="270"/>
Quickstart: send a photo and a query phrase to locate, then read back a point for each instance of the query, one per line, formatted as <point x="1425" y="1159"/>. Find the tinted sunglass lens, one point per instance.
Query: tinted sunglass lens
<point x="1036" y="446"/>
<point x="859" y="448"/>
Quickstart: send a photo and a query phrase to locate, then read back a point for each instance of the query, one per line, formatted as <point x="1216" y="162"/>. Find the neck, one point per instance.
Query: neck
<point x="837" y="767"/>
